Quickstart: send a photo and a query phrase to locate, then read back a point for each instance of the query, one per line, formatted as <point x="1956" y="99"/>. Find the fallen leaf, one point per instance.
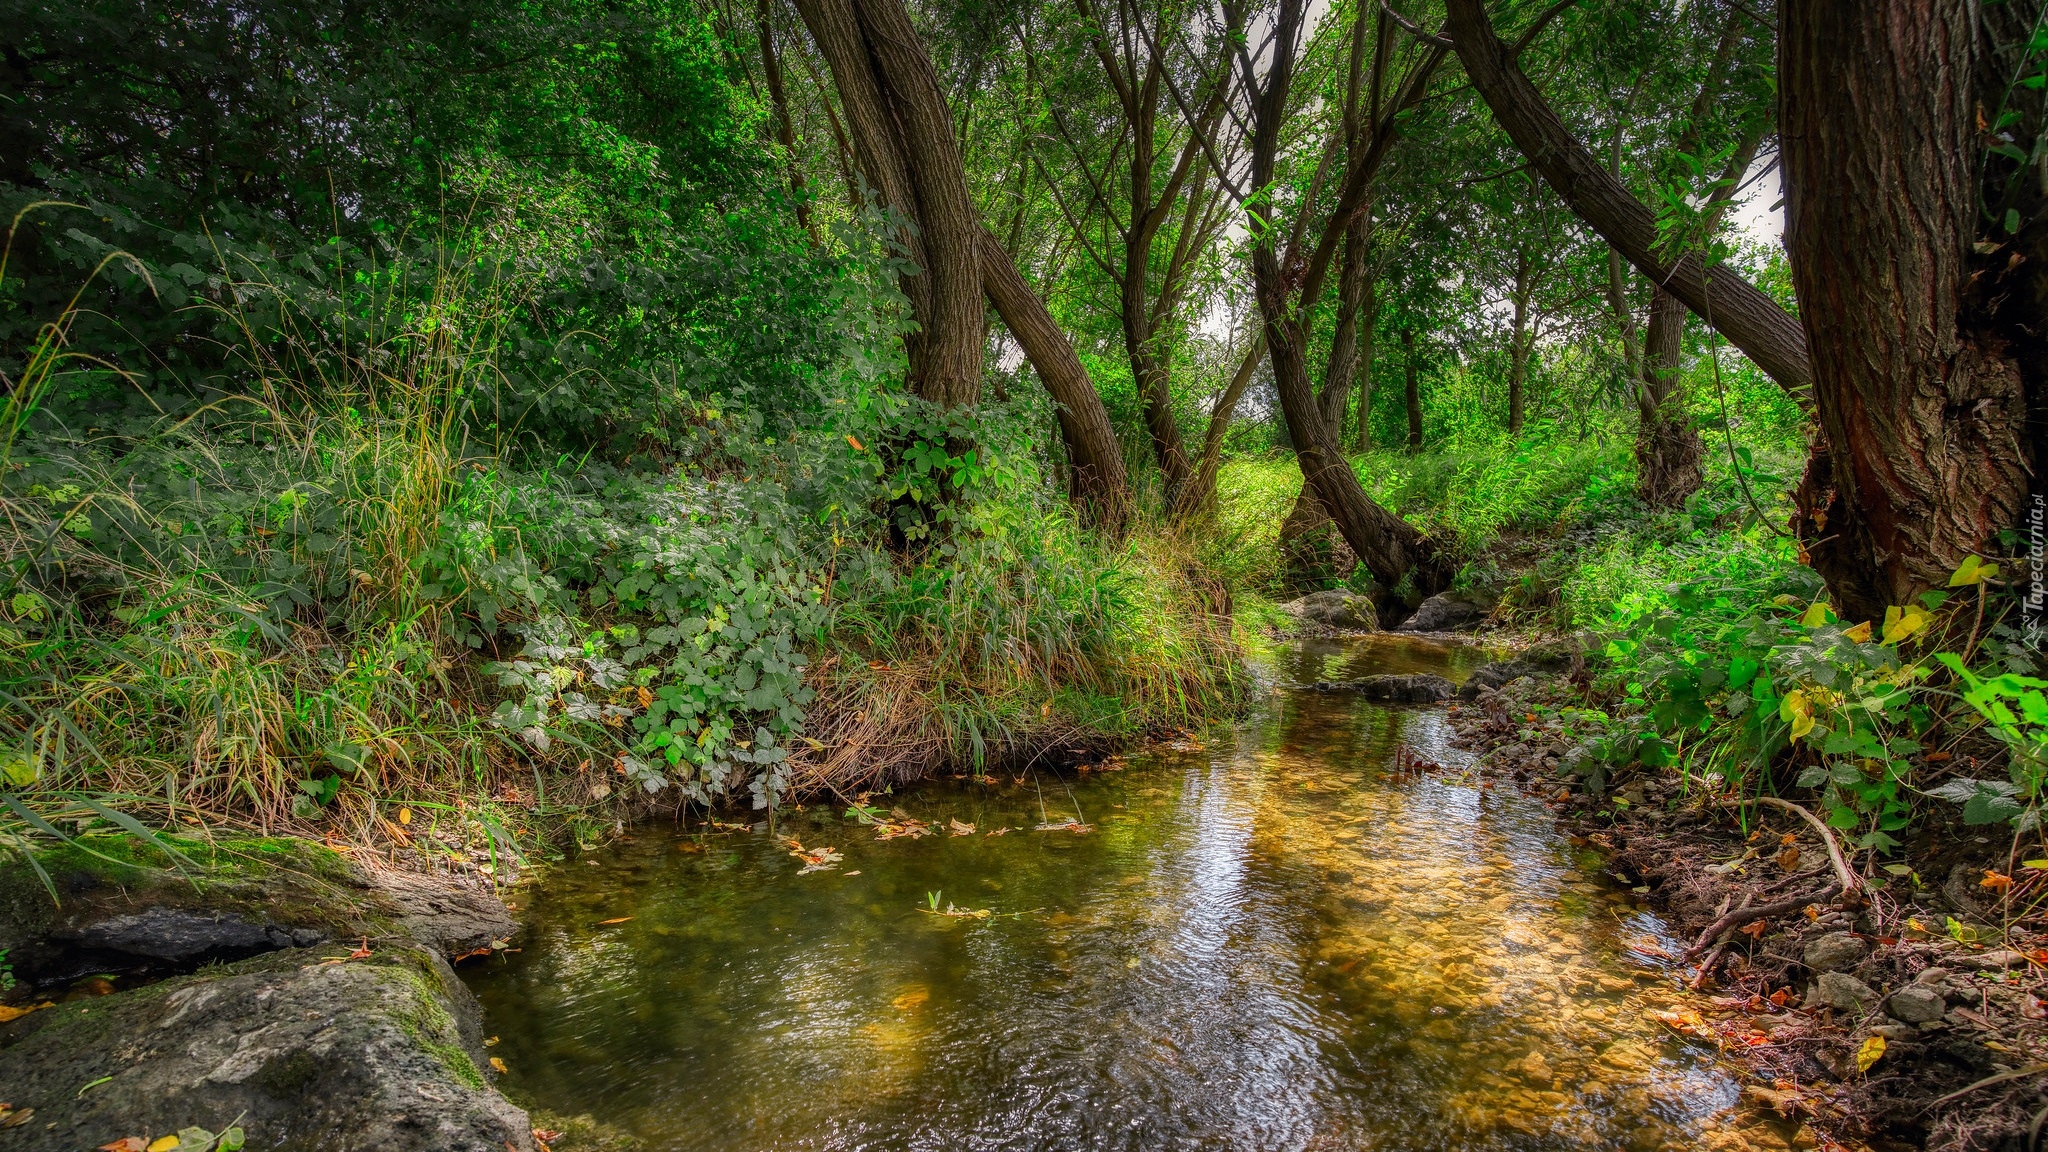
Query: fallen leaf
<point x="1811" y="912"/>
<point x="405" y="816"/>
<point x="16" y="1119"/>
<point x="855" y="872"/>
<point x="1939" y="757"/>
<point x="1781" y="996"/>
<point x="1685" y="1023"/>
<point x="547" y="1134"/>
<point x="614" y="920"/>
<point x="163" y="1144"/>
<point x="958" y="828"/>
<point x="1871" y="1051"/>
<point x="912" y="1000"/>
<point x="497" y="1064"/>
<point x="125" y="1144"/>
<point x="1995" y="880"/>
<point x="1789" y="858"/>
<point x="1755" y="929"/>
<point x="8" y="1012"/>
<point x="491" y="1042"/>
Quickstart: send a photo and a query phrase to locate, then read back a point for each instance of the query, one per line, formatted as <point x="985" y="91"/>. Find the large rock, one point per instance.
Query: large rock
<point x="1448" y="612"/>
<point x="311" y="1047"/>
<point x="122" y="909"/>
<point x="1546" y="659"/>
<point x="1843" y="993"/>
<point x="1417" y="688"/>
<point x="1336" y="610"/>
<point x="1835" y="952"/>
<point x="1916" y="1004"/>
<point x="380" y="1053"/>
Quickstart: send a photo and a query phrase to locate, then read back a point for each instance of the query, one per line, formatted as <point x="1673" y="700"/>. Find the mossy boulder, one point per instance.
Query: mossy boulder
<point x="304" y="1049"/>
<point x="122" y="905"/>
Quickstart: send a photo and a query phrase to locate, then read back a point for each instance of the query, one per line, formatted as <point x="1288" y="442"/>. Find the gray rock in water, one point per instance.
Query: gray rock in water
<point x="1336" y="609"/>
<point x="380" y="1053"/>
<point x="1447" y="612"/>
<point x="1835" y="952"/>
<point x="1842" y="992"/>
<point x="1393" y="689"/>
<point x="1916" y="1004"/>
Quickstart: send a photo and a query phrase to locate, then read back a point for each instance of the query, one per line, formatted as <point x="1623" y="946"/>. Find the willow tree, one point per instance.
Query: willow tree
<point x="903" y="140"/>
<point x="1288" y="272"/>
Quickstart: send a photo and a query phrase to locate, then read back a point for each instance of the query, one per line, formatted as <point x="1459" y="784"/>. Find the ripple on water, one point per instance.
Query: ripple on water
<point x="1271" y="943"/>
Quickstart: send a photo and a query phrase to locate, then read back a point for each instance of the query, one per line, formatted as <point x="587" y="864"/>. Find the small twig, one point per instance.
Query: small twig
<point x="1699" y="978"/>
<point x="1852" y="884"/>
<point x="1744" y="915"/>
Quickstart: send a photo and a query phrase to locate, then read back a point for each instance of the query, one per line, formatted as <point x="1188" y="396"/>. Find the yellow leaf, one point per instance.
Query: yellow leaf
<point x="857" y="445"/>
<point x="1870" y="1053"/>
<point x="163" y="1144"/>
<point x="2036" y="865"/>
<point x="405" y="815"/>
<point x="1816" y="615"/>
<point x="497" y="1065"/>
<point x="1797" y="710"/>
<point x="1972" y="571"/>
<point x="1900" y="623"/>
<point x="1860" y="633"/>
<point x="7" y="1013"/>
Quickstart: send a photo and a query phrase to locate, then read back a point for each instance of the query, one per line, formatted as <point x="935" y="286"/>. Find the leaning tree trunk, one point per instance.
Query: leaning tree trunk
<point x="1752" y="321"/>
<point x="1097" y="481"/>
<point x="1311" y="557"/>
<point x="903" y="138"/>
<point x="1927" y="456"/>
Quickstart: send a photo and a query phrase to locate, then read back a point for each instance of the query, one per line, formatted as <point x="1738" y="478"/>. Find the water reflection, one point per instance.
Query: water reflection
<point x="1273" y="942"/>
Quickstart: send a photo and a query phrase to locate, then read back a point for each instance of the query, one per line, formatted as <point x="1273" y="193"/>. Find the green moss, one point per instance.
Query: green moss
<point x="425" y="1022"/>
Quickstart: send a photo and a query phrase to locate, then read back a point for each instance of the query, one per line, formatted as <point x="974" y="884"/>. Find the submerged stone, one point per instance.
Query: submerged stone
<point x="1414" y="688"/>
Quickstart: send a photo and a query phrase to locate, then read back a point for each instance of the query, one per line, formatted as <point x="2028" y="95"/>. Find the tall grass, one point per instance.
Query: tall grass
<point x="336" y="582"/>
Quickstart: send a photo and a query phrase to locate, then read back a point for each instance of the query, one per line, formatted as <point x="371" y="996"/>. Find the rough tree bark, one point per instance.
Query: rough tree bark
<point x="1928" y="454"/>
<point x="903" y="139"/>
<point x="1752" y="321"/>
<point x="1096" y="481"/>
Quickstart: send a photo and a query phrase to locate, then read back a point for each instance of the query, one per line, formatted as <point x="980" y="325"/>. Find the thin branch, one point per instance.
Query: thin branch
<point x="1536" y="29"/>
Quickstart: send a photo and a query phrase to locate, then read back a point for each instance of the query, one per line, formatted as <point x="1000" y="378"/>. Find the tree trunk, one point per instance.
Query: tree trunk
<point x="785" y="128"/>
<point x="1387" y="545"/>
<point x="1670" y="457"/>
<point x="1304" y="534"/>
<point x="1928" y="453"/>
<point x="1410" y="366"/>
<point x="1764" y="332"/>
<point x="1368" y="346"/>
<point x="904" y="139"/>
<point x="1097" y="480"/>
<point x="1518" y="347"/>
<point x="1200" y="494"/>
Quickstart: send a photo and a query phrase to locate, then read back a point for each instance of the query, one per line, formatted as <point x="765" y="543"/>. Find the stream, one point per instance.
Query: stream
<point x="1269" y="936"/>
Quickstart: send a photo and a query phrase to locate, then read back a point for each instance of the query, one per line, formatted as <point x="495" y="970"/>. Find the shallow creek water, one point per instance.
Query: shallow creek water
<point x="1270" y="939"/>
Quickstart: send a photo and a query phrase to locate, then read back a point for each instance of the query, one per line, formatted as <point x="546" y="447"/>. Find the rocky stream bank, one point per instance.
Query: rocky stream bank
<point x="271" y="992"/>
